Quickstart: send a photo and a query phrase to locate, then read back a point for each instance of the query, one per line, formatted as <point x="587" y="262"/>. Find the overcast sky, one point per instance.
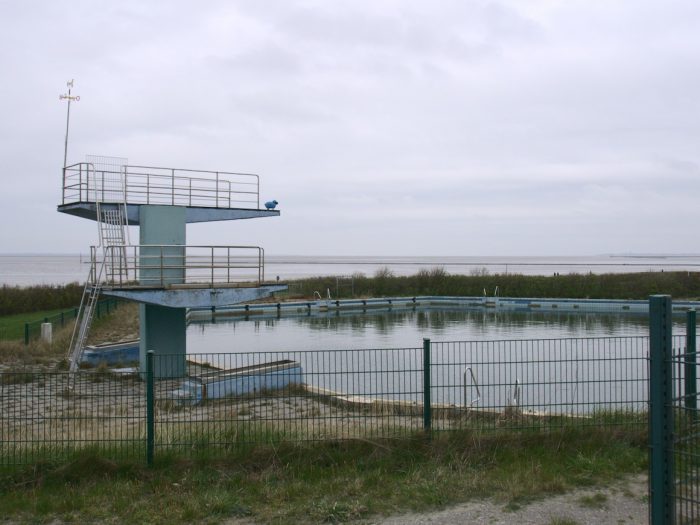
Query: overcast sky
<point x="461" y="127"/>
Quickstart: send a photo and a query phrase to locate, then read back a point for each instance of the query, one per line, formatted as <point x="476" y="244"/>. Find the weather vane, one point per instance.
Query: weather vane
<point x="69" y="98"/>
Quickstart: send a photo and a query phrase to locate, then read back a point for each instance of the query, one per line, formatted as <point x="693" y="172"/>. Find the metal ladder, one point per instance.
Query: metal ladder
<point x="113" y="238"/>
<point x="81" y="329"/>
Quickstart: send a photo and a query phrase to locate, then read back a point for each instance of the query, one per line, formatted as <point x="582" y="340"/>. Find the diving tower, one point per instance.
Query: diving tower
<point x="164" y="274"/>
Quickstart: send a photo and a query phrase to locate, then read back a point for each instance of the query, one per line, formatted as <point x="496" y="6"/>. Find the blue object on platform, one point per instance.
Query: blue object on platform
<point x="271" y="205"/>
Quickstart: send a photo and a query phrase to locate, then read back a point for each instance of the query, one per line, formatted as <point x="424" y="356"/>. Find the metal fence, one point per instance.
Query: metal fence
<point x="47" y="415"/>
<point x="541" y="383"/>
<point x="185" y="402"/>
<point x="674" y="423"/>
<point x="32" y="329"/>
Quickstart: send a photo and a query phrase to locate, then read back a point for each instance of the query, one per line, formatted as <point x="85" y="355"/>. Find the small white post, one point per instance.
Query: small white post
<point x="47" y="332"/>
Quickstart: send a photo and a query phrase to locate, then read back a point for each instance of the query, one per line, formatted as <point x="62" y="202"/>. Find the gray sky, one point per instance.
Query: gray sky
<point x="466" y="127"/>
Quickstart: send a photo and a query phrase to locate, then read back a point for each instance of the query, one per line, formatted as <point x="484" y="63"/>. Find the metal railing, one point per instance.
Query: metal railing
<point x="161" y="186"/>
<point x="161" y="265"/>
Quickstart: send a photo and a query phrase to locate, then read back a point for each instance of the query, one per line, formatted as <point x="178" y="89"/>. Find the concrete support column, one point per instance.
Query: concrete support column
<point x="162" y="328"/>
<point x="163" y="331"/>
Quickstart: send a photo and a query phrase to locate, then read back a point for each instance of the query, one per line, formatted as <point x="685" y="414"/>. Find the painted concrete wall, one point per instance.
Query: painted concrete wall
<point x="162" y="328"/>
<point x="162" y="225"/>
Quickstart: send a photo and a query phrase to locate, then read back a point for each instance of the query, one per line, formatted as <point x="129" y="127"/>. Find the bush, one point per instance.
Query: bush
<point x="18" y="300"/>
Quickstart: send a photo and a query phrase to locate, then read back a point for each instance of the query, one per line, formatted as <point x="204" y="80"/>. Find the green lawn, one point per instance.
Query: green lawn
<point x="12" y="326"/>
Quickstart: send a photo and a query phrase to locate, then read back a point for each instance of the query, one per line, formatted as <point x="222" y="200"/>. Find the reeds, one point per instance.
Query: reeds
<point x="437" y="281"/>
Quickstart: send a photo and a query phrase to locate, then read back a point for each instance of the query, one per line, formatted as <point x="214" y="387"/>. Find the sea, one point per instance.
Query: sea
<point x="35" y="269"/>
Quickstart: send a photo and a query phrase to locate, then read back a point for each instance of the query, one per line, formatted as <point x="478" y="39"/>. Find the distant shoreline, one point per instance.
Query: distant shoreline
<point x="37" y="269"/>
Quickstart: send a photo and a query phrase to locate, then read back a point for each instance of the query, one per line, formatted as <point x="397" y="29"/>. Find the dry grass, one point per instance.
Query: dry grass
<point x="324" y="482"/>
<point x="37" y="353"/>
<point x="122" y="324"/>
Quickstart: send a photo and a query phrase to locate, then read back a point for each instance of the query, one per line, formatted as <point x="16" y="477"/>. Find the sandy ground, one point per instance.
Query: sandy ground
<point x="623" y="503"/>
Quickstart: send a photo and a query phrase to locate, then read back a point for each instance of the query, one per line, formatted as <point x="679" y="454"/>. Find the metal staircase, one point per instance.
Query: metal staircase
<point x="113" y="238"/>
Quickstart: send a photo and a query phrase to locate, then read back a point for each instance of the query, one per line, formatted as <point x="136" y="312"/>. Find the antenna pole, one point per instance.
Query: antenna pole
<point x="69" y="98"/>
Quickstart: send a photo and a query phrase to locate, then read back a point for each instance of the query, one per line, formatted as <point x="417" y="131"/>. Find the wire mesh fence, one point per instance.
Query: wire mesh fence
<point x="542" y="383"/>
<point x="232" y="399"/>
<point x="684" y="463"/>
<point x="686" y="443"/>
<point x="32" y="329"/>
<point x="300" y="396"/>
<point x="49" y="415"/>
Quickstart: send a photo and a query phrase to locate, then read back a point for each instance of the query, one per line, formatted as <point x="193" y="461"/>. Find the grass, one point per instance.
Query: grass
<point x="324" y="482"/>
<point x="595" y="501"/>
<point x="563" y="521"/>
<point x="15" y="355"/>
<point x="122" y="323"/>
<point x="12" y="326"/>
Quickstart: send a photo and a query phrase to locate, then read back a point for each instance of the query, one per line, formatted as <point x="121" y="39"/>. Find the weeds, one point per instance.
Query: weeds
<point x="596" y="501"/>
<point x="37" y="352"/>
<point x="563" y="521"/>
<point x="327" y="481"/>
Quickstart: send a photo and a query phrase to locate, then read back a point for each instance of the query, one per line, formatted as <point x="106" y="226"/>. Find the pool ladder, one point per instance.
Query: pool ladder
<point x="476" y="384"/>
<point x="320" y="299"/>
<point x="513" y="398"/>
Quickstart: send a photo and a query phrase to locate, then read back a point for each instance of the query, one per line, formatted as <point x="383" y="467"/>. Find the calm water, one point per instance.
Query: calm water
<point x="61" y="269"/>
<point x="555" y="373"/>
<point x="401" y="329"/>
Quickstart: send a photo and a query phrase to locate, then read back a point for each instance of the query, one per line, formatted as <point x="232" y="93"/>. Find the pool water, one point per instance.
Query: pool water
<point x="561" y="367"/>
<point x="402" y="329"/>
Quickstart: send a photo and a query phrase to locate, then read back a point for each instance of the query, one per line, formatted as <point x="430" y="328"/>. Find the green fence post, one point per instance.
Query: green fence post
<point x="661" y="478"/>
<point x="26" y="333"/>
<point x="427" y="409"/>
<point x="150" y="421"/>
<point x="691" y="378"/>
<point x="63" y="320"/>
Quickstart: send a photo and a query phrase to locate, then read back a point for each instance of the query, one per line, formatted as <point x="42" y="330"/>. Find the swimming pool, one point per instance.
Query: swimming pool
<point x="567" y="362"/>
<point x="399" y="328"/>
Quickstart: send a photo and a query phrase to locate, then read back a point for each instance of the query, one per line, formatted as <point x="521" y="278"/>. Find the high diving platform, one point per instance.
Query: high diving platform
<point x="206" y="195"/>
<point x="161" y="272"/>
